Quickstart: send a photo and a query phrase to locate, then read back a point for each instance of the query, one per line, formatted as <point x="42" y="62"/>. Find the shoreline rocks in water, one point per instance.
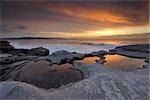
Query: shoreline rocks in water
<point x="62" y="56"/>
<point x="27" y="66"/>
<point x="134" y="51"/>
<point x="5" y="47"/>
<point x="39" y="51"/>
<point x="98" y="53"/>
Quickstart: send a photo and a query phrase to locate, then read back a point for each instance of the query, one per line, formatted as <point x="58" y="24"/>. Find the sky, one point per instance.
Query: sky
<point x="73" y="19"/>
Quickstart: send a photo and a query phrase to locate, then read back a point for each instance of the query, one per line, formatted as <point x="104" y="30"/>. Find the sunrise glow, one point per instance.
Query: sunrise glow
<point x="74" y="19"/>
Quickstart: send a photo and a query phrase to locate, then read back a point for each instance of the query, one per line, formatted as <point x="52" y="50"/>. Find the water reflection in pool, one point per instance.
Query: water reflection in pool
<point x="123" y="63"/>
<point x="44" y="75"/>
<point x="88" y="60"/>
<point x="117" y="62"/>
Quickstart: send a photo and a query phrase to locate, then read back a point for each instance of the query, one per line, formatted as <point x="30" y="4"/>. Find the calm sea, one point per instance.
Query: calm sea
<point x="60" y="44"/>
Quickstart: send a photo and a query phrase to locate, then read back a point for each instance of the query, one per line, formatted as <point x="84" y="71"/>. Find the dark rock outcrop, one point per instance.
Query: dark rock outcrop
<point x="15" y="58"/>
<point x="102" y="60"/>
<point x="39" y="51"/>
<point x="147" y="60"/>
<point x="6" y="70"/>
<point x="134" y="51"/>
<point x="144" y="48"/>
<point x="62" y="56"/>
<point x="98" y="53"/>
<point x="5" y="45"/>
<point x="6" y="48"/>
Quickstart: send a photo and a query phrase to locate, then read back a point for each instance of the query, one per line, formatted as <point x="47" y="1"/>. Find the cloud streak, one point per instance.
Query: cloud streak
<point x="101" y="16"/>
<point x="74" y="17"/>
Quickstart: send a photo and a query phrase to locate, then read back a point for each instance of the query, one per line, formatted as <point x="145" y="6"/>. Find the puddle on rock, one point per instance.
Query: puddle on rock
<point x="44" y="75"/>
<point x="123" y="63"/>
<point x="88" y="60"/>
<point x="116" y="62"/>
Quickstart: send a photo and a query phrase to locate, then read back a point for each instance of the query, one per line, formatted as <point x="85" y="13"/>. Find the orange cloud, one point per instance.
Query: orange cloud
<point x="99" y="15"/>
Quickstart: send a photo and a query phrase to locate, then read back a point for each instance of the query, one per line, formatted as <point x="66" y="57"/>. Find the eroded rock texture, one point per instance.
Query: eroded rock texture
<point x="101" y="83"/>
<point x="6" y="48"/>
<point x="135" y="51"/>
<point x="62" y="56"/>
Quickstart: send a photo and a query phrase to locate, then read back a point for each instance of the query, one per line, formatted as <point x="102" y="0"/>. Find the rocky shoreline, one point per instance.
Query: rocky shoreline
<point x="134" y="51"/>
<point x="37" y="74"/>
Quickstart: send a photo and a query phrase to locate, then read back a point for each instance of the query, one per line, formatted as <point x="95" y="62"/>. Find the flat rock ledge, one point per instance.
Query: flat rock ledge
<point x="101" y="83"/>
<point x="134" y="51"/>
<point x="62" y="56"/>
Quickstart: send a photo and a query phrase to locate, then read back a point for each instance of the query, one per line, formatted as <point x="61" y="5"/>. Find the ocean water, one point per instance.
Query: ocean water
<point x="60" y="44"/>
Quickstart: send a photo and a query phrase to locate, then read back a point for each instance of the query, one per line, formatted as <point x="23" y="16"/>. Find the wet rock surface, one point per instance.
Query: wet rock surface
<point x="6" y="70"/>
<point x="39" y="51"/>
<point x="5" y="47"/>
<point x="101" y="60"/>
<point x="15" y="58"/>
<point x="134" y="51"/>
<point x="15" y="90"/>
<point x="100" y="83"/>
<point x="98" y="53"/>
<point x="60" y="57"/>
<point x="139" y="48"/>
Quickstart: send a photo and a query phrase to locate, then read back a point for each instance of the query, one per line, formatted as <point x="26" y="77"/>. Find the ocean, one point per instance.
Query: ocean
<point x="62" y="44"/>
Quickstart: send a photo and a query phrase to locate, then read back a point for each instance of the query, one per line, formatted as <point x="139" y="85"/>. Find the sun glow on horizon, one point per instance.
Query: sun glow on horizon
<point x="119" y="31"/>
<point x="74" y="19"/>
<point x="109" y="32"/>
